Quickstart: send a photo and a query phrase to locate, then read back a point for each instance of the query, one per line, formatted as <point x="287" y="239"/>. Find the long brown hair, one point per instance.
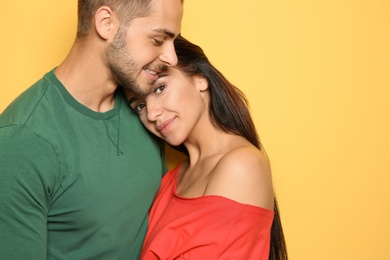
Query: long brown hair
<point x="229" y="111"/>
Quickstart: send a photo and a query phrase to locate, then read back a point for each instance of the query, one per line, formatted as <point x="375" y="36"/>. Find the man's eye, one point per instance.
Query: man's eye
<point x="158" y="42"/>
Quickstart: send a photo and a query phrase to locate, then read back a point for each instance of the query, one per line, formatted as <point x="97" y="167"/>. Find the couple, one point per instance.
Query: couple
<point x="79" y="173"/>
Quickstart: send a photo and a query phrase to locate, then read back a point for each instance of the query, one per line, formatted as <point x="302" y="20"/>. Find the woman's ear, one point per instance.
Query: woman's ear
<point x="105" y="22"/>
<point x="201" y="83"/>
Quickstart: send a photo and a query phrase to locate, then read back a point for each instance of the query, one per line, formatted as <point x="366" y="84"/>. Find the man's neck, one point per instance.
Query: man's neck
<point x="87" y="78"/>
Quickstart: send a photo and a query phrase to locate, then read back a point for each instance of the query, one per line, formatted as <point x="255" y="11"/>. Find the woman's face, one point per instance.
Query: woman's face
<point x="175" y="108"/>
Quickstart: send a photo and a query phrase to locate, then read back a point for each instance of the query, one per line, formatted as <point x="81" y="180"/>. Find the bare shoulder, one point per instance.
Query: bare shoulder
<point x="243" y="175"/>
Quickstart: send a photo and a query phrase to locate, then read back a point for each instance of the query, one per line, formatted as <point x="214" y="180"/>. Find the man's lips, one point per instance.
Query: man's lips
<point x="164" y="127"/>
<point x="152" y="74"/>
<point x="154" y="71"/>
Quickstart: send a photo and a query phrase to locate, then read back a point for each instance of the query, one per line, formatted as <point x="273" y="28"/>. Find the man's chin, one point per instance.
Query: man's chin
<point x="140" y="88"/>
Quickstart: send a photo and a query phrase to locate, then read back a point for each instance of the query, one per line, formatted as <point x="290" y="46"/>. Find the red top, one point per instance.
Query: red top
<point x="208" y="227"/>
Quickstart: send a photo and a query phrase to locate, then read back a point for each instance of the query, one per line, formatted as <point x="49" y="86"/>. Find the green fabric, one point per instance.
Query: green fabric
<point x="74" y="183"/>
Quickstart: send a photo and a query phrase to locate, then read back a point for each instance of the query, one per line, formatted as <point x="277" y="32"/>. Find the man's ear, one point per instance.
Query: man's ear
<point x="201" y="83"/>
<point x="105" y="22"/>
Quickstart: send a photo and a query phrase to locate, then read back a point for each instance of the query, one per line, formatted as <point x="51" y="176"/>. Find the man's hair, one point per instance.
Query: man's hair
<point x="126" y="10"/>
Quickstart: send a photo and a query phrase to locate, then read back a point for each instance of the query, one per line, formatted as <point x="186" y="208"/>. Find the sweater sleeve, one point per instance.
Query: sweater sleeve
<point x="28" y="166"/>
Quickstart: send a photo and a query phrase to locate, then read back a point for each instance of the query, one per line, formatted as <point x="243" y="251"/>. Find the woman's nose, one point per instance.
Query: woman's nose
<point x="153" y="110"/>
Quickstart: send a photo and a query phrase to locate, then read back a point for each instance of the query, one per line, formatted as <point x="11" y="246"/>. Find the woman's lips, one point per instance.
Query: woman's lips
<point x="164" y="127"/>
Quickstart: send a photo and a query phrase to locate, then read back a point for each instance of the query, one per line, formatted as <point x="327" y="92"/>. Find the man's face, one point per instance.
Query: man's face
<point x="143" y="49"/>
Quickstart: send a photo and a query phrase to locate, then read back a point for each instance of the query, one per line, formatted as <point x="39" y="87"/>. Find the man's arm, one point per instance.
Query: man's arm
<point x="27" y="163"/>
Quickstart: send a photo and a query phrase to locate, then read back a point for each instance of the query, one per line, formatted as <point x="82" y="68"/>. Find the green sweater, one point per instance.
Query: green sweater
<point x="74" y="183"/>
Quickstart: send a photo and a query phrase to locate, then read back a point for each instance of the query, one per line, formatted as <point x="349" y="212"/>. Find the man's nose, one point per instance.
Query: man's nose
<point x="168" y="56"/>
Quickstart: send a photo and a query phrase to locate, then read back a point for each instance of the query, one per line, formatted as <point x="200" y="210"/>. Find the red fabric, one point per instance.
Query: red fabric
<point x="208" y="227"/>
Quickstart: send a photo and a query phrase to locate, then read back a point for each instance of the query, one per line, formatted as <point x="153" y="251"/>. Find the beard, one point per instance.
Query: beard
<point x="122" y="65"/>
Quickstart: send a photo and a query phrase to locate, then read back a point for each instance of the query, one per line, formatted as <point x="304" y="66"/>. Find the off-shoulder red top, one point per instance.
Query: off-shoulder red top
<point x="208" y="227"/>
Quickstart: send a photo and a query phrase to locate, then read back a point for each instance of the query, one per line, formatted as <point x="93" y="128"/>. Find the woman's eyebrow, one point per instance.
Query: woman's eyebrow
<point x="131" y="100"/>
<point x="162" y="75"/>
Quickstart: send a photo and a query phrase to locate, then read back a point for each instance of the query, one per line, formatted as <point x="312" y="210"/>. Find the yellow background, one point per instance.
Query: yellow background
<point x="317" y="75"/>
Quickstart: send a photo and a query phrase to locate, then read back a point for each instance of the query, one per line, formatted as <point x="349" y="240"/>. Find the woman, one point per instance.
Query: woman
<point x="218" y="204"/>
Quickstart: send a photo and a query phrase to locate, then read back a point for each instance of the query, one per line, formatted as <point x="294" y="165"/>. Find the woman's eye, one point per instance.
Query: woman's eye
<point x="159" y="89"/>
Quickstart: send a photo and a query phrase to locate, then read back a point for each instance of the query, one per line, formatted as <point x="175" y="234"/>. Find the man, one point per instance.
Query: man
<point x="78" y="171"/>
